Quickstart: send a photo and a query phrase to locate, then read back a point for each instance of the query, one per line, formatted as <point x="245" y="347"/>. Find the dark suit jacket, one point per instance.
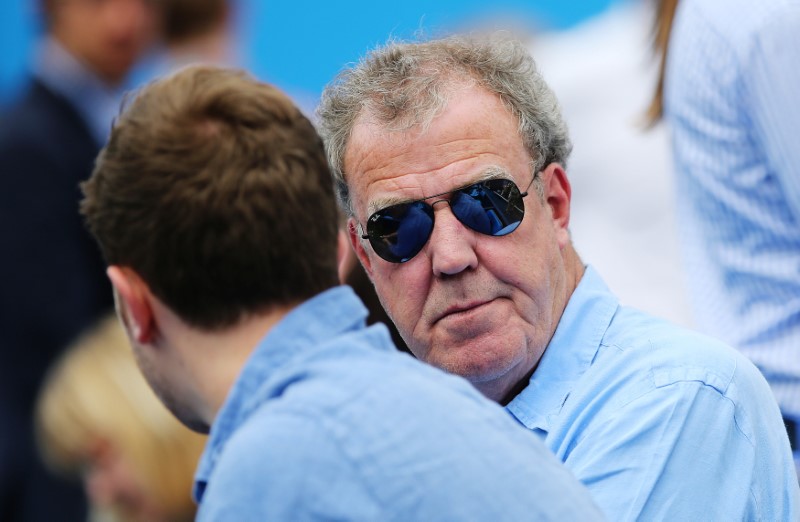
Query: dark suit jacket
<point x="53" y="280"/>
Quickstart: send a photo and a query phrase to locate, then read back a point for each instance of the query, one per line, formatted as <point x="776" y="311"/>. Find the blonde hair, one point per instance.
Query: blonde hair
<point x="662" y="28"/>
<point x="96" y="391"/>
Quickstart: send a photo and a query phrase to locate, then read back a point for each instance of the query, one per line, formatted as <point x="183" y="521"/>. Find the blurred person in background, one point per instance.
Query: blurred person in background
<point x="731" y="78"/>
<point x="432" y="140"/>
<point x="623" y="213"/>
<point x="51" y="273"/>
<point x="98" y="420"/>
<point x="197" y="30"/>
<point x="193" y="32"/>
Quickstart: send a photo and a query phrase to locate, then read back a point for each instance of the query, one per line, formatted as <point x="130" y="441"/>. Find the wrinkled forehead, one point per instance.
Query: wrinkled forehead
<point x="395" y="120"/>
<point x="416" y="103"/>
<point x="475" y="137"/>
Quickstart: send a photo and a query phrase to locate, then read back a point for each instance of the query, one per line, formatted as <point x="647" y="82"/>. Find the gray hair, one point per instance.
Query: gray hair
<point x="401" y="85"/>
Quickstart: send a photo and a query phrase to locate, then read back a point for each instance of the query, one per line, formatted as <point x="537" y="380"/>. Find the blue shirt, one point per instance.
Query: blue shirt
<point x="328" y="421"/>
<point x="659" y="422"/>
<point x="732" y="97"/>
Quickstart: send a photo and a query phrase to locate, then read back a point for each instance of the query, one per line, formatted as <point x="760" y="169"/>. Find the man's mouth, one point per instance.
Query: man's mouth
<point x="461" y="309"/>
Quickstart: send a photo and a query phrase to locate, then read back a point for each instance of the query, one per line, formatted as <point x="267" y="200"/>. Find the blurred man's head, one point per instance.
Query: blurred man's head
<point x="108" y="36"/>
<point x="475" y="279"/>
<point x="187" y="20"/>
<point x="213" y="197"/>
<point x="98" y="420"/>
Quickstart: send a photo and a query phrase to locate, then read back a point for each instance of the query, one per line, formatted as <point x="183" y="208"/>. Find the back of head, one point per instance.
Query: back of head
<point x="96" y="396"/>
<point x="214" y="188"/>
<point x="402" y="85"/>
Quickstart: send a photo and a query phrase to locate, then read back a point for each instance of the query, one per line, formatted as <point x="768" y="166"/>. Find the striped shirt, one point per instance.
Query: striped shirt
<point x="732" y="97"/>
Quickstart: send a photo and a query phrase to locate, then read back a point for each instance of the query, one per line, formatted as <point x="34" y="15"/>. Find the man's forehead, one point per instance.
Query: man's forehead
<point x="399" y="195"/>
<point x="372" y="126"/>
<point x="472" y="138"/>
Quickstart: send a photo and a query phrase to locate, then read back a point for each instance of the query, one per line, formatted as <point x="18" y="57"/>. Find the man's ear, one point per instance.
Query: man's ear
<point x="133" y="303"/>
<point x="358" y="246"/>
<point x="345" y="257"/>
<point x="558" y="196"/>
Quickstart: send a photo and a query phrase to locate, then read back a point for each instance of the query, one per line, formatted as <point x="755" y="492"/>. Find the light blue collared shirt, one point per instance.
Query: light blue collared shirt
<point x="659" y="422"/>
<point x="328" y="421"/>
<point x="732" y="97"/>
<point x="95" y="101"/>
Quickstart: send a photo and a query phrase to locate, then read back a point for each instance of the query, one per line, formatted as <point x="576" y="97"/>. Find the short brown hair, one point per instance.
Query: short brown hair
<point x="215" y="189"/>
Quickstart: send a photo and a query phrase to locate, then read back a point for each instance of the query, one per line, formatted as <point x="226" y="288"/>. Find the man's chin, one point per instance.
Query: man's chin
<point x="194" y="424"/>
<point x="186" y="417"/>
<point x="474" y="362"/>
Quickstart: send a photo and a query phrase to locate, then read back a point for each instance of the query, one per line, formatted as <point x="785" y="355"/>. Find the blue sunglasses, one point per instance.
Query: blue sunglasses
<point x="493" y="207"/>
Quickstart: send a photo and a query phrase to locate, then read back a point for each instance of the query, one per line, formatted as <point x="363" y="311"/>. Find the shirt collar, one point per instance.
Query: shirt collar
<point x="569" y="354"/>
<point x="64" y="74"/>
<point x="306" y="327"/>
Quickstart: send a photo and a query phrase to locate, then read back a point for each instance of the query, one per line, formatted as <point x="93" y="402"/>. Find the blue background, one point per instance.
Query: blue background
<point x="300" y="45"/>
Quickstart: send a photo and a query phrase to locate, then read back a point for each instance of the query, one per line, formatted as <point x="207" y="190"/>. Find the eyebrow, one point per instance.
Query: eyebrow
<point x="490" y="172"/>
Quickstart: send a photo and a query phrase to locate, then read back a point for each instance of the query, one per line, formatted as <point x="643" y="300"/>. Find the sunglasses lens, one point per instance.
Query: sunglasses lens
<point x="493" y="207"/>
<point x="399" y="232"/>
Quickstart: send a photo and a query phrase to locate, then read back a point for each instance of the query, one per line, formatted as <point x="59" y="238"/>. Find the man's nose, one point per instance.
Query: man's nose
<point x="451" y="245"/>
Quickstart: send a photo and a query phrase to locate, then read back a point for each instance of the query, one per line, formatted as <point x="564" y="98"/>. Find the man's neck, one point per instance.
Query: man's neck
<point x="521" y="385"/>
<point x="214" y="360"/>
<point x="574" y="269"/>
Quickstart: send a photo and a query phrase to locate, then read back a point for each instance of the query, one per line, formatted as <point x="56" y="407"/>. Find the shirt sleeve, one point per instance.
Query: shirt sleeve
<point x="286" y="469"/>
<point x="773" y="83"/>
<point x="673" y="453"/>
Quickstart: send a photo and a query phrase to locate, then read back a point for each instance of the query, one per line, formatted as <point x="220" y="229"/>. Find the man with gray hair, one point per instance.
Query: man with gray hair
<point x="450" y="158"/>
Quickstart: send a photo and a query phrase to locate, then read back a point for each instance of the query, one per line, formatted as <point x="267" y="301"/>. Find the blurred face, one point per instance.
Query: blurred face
<point x="113" y="485"/>
<point x="107" y="35"/>
<point x="475" y="305"/>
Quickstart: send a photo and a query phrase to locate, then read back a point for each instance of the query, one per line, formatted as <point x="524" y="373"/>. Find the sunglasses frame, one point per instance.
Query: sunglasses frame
<point x="430" y="205"/>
